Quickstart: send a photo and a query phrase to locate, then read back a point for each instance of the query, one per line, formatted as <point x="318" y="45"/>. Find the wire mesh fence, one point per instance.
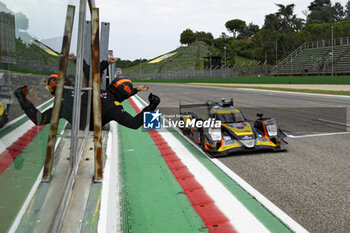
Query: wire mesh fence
<point x="214" y="72"/>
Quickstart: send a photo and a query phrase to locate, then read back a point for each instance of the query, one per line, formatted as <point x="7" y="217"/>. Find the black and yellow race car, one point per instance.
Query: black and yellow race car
<point x="234" y="133"/>
<point x="5" y="102"/>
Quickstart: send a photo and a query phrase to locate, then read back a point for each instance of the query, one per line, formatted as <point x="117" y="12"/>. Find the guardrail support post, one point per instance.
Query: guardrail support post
<point x="96" y="85"/>
<point x="58" y="93"/>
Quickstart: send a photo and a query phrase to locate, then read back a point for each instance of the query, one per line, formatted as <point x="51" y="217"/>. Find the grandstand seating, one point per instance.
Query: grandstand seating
<point x="316" y="60"/>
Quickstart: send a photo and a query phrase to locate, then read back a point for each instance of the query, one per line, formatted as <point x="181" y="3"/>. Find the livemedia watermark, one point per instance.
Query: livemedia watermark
<point x="157" y="120"/>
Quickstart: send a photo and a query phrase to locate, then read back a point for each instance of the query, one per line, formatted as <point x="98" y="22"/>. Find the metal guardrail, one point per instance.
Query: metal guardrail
<point x="236" y="71"/>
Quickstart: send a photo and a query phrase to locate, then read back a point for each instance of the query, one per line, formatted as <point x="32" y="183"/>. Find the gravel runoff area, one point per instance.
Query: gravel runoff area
<point x="326" y="87"/>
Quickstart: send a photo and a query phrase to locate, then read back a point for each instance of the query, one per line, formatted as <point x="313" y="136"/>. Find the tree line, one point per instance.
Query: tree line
<point x="280" y="35"/>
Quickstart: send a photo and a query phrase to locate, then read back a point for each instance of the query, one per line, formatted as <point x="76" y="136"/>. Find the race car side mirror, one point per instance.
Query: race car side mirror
<point x="260" y="115"/>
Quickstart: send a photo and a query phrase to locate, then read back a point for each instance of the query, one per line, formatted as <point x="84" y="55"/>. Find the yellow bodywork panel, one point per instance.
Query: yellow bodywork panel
<point x="218" y="111"/>
<point x="223" y="148"/>
<point x="187" y="118"/>
<point x="266" y="142"/>
<point x="2" y="108"/>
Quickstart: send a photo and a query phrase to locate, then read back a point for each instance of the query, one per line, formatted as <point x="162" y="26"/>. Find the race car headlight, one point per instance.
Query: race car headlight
<point x="248" y="143"/>
<point x="272" y="130"/>
<point x="215" y="134"/>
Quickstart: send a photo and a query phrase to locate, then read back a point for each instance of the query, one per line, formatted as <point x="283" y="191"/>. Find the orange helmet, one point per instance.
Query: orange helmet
<point x="121" y="86"/>
<point x="52" y="82"/>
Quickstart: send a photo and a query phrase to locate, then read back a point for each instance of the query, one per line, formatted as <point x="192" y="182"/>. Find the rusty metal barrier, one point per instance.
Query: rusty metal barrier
<point x="96" y="85"/>
<point x="59" y="93"/>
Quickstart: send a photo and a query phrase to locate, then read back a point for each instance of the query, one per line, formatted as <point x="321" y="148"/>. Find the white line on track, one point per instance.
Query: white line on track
<point x="12" y="136"/>
<point x="240" y="217"/>
<point x="288" y="221"/>
<point x="334" y="122"/>
<point x="31" y="194"/>
<point x="316" y="135"/>
<point x="20" y="117"/>
<point x="189" y="158"/>
<point x="292" y="92"/>
<point x="109" y="220"/>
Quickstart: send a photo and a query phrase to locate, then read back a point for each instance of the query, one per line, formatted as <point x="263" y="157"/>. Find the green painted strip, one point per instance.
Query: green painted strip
<point x="21" y="121"/>
<point x="17" y="180"/>
<point x="29" y="220"/>
<point x="91" y="216"/>
<point x="92" y="210"/>
<point x="153" y="201"/>
<point x="260" y="212"/>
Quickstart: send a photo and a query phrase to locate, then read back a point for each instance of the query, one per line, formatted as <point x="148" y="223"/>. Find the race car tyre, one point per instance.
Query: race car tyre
<point x="4" y="117"/>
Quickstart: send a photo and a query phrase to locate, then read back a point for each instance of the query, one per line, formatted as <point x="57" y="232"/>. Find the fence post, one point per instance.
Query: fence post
<point x="104" y="49"/>
<point x="58" y="93"/>
<point x="96" y="91"/>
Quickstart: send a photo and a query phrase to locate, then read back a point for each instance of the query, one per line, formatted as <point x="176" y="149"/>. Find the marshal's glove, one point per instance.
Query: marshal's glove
<point x="153" y="101"/>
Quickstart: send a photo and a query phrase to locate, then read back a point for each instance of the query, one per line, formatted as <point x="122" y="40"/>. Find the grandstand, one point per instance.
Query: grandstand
<point x="316" y="58"/>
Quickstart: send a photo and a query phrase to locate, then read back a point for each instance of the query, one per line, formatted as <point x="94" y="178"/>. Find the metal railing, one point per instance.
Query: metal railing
<point x="318" y="65"/>
<point x="222" y="72"/>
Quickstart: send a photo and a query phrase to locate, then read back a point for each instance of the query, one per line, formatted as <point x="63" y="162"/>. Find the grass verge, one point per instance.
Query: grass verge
<point x="283" y="89"/>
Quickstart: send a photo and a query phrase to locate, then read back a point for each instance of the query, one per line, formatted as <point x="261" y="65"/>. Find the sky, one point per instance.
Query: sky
<point x="147" y="29"/>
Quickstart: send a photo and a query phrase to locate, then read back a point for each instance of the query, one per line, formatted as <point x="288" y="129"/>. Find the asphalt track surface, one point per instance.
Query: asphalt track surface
<point x="309" y="182"/>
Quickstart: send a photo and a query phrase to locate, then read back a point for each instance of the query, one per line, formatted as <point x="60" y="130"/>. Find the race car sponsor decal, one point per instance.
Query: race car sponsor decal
<point x="226" y="111"/>
<point x="239" y="125"/>
<point x="246" y="137"/>
<point x="240" y="128"/>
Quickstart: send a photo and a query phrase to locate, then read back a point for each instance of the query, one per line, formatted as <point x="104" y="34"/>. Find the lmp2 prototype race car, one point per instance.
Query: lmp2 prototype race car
<point x="234" y="133"/>
<point x="5" y="101"/>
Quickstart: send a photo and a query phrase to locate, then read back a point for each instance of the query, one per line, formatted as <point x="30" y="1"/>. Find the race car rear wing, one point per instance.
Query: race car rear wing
<point x="208" y="104"/>
<point x="192" y="105"/>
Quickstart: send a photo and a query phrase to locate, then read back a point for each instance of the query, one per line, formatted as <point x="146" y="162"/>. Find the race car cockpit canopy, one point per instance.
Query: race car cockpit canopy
<point x="226" y="114"/>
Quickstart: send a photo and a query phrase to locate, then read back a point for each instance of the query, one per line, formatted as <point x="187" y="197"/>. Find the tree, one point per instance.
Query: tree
<point x="347" y="10"/>
<point x="250" y="30"/>
<point x="284" y="19"/>
<point x="318" y="4"/>
<point x="339" y="11"/>
<point x="223" y="35"/>
<point x="21" y="21"/>
<point x="326" y="14"/>
<point x="288" y="20"/>
<point x="187" y="37"/>
<point x="279" y="29"/>
<point x="322" y="11"/>
<point x="272" y="22"/>
<point x="206" y="37"/>
<point x="235" y="25"/>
